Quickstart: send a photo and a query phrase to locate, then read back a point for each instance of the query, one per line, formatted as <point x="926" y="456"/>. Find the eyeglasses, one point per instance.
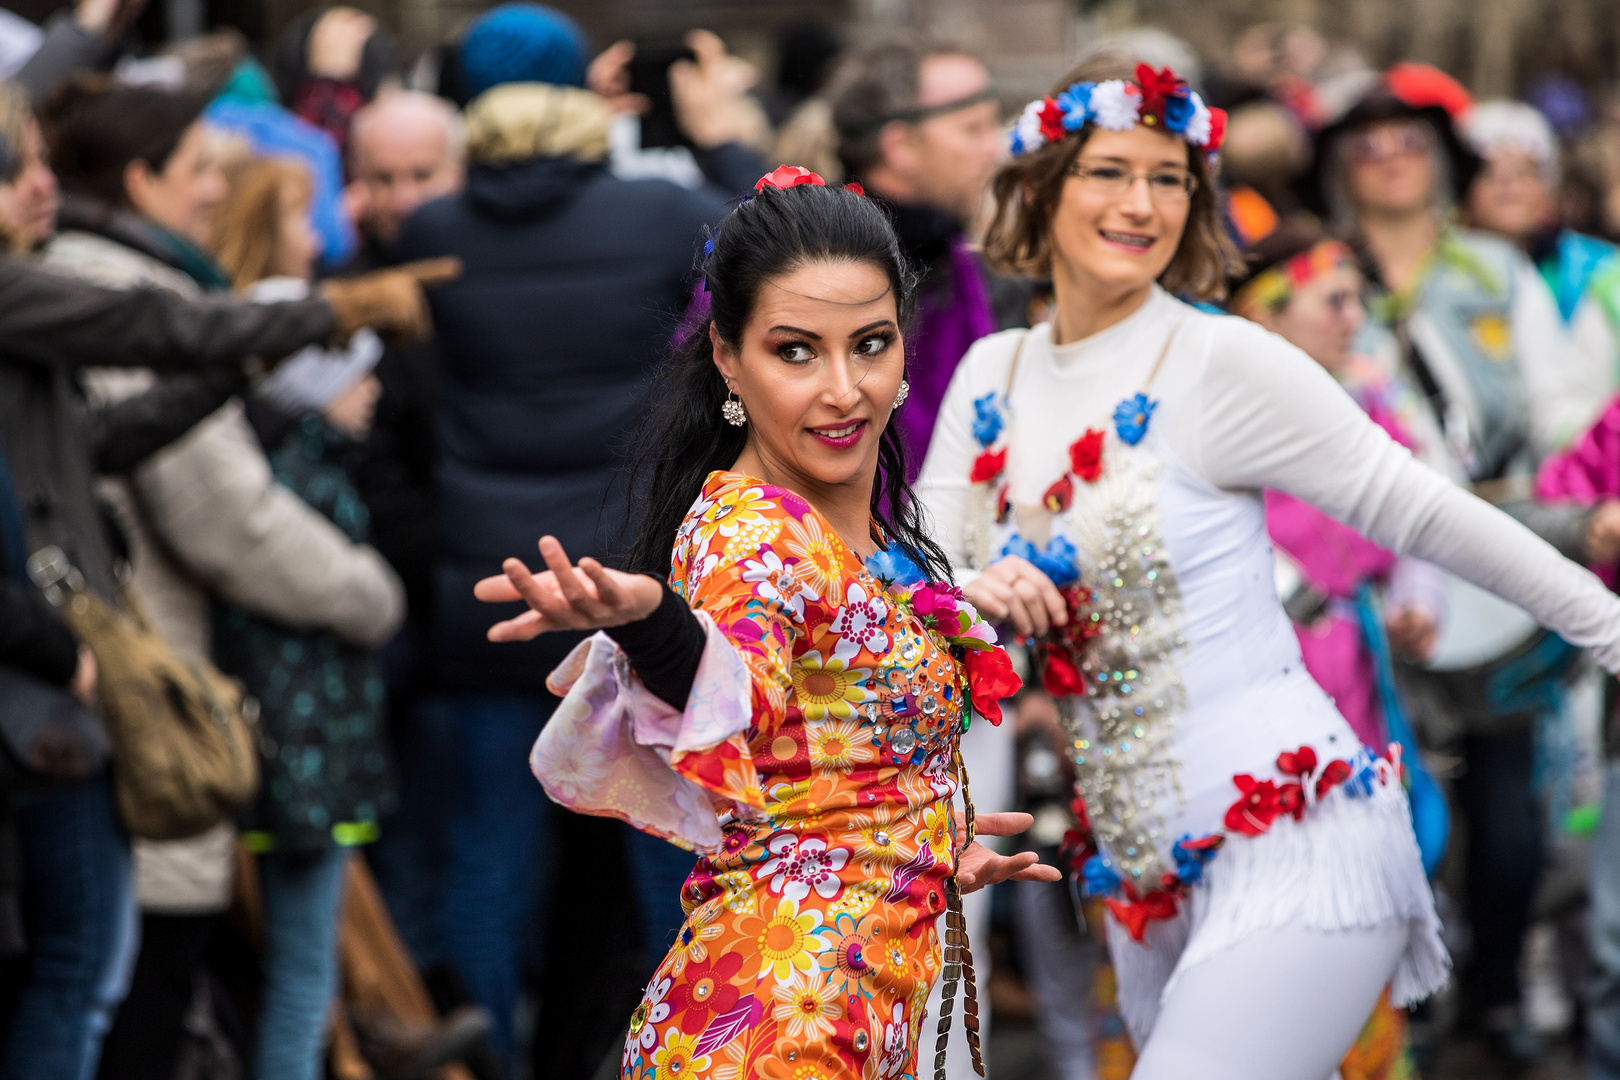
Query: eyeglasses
<point x="1383" y="143"/>
<point x="1164" y="185"/>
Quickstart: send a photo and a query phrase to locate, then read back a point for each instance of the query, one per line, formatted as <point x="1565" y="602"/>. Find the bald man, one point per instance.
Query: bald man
<point x="405" y="149"/>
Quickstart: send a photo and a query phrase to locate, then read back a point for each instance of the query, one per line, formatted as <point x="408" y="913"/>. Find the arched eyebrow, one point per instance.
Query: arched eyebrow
<point x="1164" y="163"/>
<point x="869" y="327"/>
<point x="812" y="335"/>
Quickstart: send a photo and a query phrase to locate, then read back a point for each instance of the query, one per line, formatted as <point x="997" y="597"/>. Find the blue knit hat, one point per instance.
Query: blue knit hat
<point x="522" y="43"/>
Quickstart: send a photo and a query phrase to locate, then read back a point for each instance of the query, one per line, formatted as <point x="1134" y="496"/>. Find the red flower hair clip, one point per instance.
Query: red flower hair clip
<point x="789" y="176"/>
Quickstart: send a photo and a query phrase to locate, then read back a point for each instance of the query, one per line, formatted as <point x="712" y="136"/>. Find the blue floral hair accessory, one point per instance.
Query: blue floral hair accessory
<point x="1160" y="99"/>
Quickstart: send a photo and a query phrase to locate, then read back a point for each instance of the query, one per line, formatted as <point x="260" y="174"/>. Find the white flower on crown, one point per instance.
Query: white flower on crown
<point x="1027" y="131"/>
<point x="1198" y="125"/>
<point x="1116" y="105"/>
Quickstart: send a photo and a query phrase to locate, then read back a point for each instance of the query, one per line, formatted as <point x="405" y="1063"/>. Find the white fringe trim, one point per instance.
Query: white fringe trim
<point x="1353" y="863"/>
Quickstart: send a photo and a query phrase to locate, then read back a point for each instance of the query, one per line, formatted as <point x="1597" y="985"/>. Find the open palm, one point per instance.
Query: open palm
<point x="567" y="597"/>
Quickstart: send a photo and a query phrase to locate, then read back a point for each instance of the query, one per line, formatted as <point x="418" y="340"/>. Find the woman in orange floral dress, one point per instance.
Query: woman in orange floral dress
<point x="782" y="684"/>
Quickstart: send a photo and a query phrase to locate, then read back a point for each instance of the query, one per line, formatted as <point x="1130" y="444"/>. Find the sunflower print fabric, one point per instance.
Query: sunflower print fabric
<point x="809" y="946"/>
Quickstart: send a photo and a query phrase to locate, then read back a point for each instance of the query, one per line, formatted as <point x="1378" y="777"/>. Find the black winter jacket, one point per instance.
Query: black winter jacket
<point x="51" y="325"/>
<point x="573" y="282"/>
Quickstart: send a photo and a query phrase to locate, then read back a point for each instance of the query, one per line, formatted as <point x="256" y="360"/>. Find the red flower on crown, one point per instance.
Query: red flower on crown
<point x="855" y="186"/>
<point x="1217" y="129"/>
<point x="1156" y="87"/>
<point x="1051" y="121"/>
<point x="789" y="176"/>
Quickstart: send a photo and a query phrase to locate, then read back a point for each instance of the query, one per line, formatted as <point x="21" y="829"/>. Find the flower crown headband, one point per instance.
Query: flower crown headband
<point x="1160" y="99"/>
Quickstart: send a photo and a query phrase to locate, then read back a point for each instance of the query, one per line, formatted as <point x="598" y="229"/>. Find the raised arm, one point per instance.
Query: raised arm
<point x="1267" y="416"/>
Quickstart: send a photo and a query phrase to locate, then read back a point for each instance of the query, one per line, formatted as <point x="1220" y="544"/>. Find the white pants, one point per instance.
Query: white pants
<point x="1284" y="1005"/>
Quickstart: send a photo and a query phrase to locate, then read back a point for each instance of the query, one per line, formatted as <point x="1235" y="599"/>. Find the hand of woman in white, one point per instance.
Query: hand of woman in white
<point x="1012" y="590"/>
<point x="566" y="597"/>
<point x="979" y="866"/>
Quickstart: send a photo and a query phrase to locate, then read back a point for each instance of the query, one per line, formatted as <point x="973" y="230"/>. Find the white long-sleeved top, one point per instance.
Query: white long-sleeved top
<point x="1175" y="527"/>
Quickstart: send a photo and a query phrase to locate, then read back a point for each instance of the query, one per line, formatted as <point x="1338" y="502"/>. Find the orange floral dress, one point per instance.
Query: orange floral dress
<point x="809" y="946"/>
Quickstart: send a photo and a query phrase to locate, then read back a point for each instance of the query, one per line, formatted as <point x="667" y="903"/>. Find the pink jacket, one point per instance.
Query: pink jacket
<point x="1587" y="472"/>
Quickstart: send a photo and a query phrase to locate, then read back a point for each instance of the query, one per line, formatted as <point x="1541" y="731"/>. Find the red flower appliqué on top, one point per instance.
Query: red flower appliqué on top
<point x="988" y="465"/>
<point x="1085" y="455"/>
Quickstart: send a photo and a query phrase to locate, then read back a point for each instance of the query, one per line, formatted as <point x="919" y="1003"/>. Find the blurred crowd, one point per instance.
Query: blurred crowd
<point x="298" y="343"/>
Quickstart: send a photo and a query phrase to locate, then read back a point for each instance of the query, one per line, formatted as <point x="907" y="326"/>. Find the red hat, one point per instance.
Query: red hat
<point x="1424" y="84"/>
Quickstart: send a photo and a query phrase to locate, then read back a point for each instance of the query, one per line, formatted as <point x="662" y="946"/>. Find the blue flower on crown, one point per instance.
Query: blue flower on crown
<point x="1178" y="110"/>
<point x="897" y="564"/>
<point x="1076" y="105"/>
<point x="708" y="247"/>
<point x="987" y="421"/>
<point x="1131" y="418"/>
<point x="1100" y="879"/>
<point x="1059" y="560"/>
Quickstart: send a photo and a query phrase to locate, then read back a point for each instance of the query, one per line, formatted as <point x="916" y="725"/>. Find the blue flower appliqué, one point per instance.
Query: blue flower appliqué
<point x="1363" y="775"/>
<point x="1131" y="418"/>
<point x="1190" y="861"/>
<point x="1058" y="561"/>
<point x="987" y="422"/>
<point x="1100" y="879"/>
<point x="897" y="565"/>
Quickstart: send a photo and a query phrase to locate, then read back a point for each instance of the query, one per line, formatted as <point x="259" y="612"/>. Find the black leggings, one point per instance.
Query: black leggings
<point x="145" y="1039"/>
<point x="1505" y="849"/>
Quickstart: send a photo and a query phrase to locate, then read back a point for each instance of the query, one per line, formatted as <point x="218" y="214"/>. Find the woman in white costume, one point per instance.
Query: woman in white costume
<point x="1102" y="474"/>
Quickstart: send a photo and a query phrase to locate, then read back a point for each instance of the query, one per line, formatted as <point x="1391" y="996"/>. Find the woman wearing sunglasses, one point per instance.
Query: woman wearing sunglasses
<point x="1099" y="478"/>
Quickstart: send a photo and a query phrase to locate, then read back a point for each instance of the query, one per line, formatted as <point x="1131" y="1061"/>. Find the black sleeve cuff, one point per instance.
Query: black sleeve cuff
<point x="665" y="648"/>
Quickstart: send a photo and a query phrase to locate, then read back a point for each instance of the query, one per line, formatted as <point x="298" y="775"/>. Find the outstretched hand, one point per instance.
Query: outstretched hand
<point x="567" y="597"/>
<point x="979" y="866"/>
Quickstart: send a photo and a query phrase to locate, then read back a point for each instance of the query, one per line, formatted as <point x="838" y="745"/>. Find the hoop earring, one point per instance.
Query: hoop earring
<point x="900" y="398"/>
<point x="733" y="410"/>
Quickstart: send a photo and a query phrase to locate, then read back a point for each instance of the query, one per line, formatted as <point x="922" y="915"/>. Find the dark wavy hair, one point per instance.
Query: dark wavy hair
<point x="684" y="437"/>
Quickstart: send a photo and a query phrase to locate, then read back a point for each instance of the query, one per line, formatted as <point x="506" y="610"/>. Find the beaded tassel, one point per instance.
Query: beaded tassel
<point x="958" y="968"/>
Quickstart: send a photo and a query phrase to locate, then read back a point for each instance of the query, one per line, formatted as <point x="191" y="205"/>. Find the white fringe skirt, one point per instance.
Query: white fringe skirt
<point x="1352" y="863"/>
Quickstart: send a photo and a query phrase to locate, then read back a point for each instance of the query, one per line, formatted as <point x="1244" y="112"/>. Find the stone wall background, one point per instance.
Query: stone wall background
<point x="1494" y="46"/>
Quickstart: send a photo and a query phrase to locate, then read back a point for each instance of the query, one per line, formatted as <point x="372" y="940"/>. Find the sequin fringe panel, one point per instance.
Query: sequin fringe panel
<point x="1123" y="727"/>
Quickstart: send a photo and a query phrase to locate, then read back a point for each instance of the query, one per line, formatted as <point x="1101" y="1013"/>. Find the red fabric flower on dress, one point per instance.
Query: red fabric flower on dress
<point x="1134" y="914"/>
<point x="1059" y="495"/>
<point x="990" y="678"/>
<point x="706" y="990"/>
<point x="1059" y="676"/>
<point x="988" y="465"/>
<point x="1334" y="773"/>
<point x="1301" y="762"/>
<point x="1258" y="807"/>
<point x="1291" y="800"/>
<point x="1052" y="121"/>
<point x="789" y="176"/>
<point x="1004" y="507"/>
<point x="1085" y="455"/>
